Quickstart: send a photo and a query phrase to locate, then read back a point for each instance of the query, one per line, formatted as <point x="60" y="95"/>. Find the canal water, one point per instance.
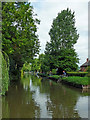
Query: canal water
<point x="36" y="97"/>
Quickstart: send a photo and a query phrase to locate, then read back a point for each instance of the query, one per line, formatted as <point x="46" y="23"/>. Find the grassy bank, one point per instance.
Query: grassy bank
<point x="71" y="79"/>
<point x="77" y="80"/>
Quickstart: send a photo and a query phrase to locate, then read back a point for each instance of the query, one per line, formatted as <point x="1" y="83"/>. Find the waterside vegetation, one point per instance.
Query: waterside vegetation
<point x="81" y="74"/>
<point x="76" y="81"/>
<point x="21" y="44"/>
<point x="4" y="78"/>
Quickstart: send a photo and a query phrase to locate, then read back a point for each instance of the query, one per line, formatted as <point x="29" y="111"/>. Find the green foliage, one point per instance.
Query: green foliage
<point x="60" y="50"/>
<point x="26" y="67"/>
<point x="19" y="38"/>
<point x="54" y="71"/>
<point x="81" y="74"/>
<point x="44" y="63"/>
<point x="77" y="80"/>
<point x="35" y="65"/>
<point x="55" y="76"/>
<point x="22" y="73"/>
<point x="4" y="82"/>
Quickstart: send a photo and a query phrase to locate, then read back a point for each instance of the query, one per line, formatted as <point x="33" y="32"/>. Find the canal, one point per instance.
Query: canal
<point x="36" y="97"/>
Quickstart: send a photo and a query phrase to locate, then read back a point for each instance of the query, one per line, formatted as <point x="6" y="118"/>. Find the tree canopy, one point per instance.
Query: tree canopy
<point x="19" y="27"/>
<point x="63" y="36"/>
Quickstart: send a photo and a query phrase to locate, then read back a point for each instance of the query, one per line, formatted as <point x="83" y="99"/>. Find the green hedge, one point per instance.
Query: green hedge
<point x="81" y="74"/>
<point x="77" y="80"/>
<point x="4" y="78"/>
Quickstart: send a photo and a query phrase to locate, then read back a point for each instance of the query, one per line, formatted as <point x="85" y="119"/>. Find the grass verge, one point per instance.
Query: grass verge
<point x="77" y="80"/>
<point x="72" y="79"/>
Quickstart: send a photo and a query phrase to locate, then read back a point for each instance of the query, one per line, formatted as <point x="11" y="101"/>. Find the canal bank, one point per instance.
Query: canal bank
<point x="75" y="81"/>
<point x="35" y="97"/>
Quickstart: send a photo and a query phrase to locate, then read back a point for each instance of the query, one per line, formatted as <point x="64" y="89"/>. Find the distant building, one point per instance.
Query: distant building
<point x="84" y="66"/>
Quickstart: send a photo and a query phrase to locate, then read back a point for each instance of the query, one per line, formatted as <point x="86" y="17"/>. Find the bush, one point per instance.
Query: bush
<point x="81" y="74"/>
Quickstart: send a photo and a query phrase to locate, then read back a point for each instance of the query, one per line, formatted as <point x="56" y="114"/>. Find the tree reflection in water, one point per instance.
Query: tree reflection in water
<point x="62" y="101"/>
<point x="34" y="97"/>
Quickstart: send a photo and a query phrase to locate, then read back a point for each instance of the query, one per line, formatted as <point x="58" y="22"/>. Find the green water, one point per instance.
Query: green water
<point x="34" y="97"/>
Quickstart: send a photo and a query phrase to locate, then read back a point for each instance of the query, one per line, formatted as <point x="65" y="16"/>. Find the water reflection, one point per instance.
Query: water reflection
<point x="82" y="106"/>
<point x="33" y="97"/>
<point x="61" y="101"/>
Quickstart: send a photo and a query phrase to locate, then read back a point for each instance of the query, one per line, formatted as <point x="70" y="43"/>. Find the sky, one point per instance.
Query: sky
<point x="47" y="10"/>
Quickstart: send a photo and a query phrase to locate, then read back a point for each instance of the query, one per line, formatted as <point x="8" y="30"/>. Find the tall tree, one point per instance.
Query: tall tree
<point x="19" y="38"/>
<point x="44" y="61"/>
<point x="63" y="34"/>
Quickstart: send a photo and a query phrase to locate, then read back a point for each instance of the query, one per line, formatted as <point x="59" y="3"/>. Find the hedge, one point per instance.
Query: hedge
<point x="81" y="74"/>
<point x="4" y="78"/>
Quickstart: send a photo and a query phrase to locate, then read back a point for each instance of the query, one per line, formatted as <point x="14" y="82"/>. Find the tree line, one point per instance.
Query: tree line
<point x="19" y="38"/>
<point x="59" y="52"/>
<point x="21" y="43"/>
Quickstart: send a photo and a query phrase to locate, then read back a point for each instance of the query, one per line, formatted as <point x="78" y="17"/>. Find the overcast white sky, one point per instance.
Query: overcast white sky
<point x="47" y="10"/>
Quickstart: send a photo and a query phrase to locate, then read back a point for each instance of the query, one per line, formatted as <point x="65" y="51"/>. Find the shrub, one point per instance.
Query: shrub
<point x="81" y="74"/>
